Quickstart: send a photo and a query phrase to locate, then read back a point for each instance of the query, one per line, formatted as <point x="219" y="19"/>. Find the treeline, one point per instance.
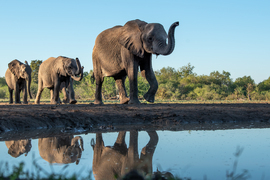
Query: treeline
<point x="180" y="84"/>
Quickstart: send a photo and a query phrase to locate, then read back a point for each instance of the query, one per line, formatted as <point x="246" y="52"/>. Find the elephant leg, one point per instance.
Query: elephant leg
<point x="71" y="93"/>
<point x="148" y="73"/>
<point x="55" y="99"/>
<point x="65" y="99"/>
<point x="122" y="90"/>
<point x="98" y="95"/>
<point x="147" y="153"/>
<point x="132" y="71"/>
<point x="17" y="94"/>
<point x="120" y="143"/>
<point x="40" y="89"/>
<point x="98" y="148"/>
<point x="132" y="157"/>
<point x="52" y="97"/>
<point x="24" y="93"/>
<point x="10" y="95"/>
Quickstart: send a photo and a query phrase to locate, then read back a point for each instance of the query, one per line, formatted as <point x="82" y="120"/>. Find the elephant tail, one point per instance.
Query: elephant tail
<point x="93" y="78"/>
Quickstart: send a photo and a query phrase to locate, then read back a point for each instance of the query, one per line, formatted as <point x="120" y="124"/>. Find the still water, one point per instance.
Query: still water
<point x="194" y="154"/>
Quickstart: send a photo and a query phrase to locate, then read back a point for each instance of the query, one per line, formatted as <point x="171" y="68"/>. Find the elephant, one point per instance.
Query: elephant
<point x="62" y="150"/>
<point x="119" y="51"/>
<point x="18" y="147"/>
<point x="53" y="71"/>
<point x="18" y="78"/>
<point x="110" y="162"/>
<point x="64" y="88"/>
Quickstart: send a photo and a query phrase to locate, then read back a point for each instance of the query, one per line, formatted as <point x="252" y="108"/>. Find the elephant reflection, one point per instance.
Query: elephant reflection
<point x="110" y="162"/>
<point x="61" y="149"/>
<point x="18" y="147"/>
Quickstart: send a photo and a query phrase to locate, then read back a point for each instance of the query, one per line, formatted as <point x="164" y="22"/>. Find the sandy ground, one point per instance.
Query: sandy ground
<point x="113" y="117"/>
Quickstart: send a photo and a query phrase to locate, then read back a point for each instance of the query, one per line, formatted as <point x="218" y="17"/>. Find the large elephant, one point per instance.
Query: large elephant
<point x="53" y="71"/>
<point x="18" y="78"/>
<point x="119" y="51"/>
<point x="62" y="150"/>
<point x="64" y="88"/>
<point x="110" y="162"/>
<point x="18" y="147"/>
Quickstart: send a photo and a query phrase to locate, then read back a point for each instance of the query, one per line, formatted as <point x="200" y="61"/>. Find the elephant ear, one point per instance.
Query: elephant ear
<point x="14" y="67"/>
<point x="130" y="37"/>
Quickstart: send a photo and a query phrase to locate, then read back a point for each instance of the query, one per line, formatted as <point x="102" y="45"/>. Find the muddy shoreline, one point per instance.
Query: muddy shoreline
<point x="84" y="118"/>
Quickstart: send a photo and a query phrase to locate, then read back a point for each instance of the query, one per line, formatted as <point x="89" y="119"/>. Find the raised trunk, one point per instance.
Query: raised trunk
<point x="80" y="77"/>
<point x="168" y="49"/>
<point x="78" y="67"/>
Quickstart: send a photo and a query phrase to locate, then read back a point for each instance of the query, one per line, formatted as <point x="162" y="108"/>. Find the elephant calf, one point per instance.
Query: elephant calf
<point x="18" y="78"/>
<point x="61" y="150"/>
<point x="54" y="71"/>
<point x="19" y="147"/>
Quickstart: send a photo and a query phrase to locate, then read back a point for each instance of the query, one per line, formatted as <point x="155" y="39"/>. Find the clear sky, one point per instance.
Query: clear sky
<point x="213" y="35"/>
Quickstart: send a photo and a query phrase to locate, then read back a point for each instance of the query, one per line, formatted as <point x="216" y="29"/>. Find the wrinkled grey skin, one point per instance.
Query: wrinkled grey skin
<point x="64" y="88"/>
<point x="62" y="150"/>
<point x="52" y="72"/>
<point x="18" y="78"/>
<point x="19" y="147"/>
<point x="119" y="51"/>
<point x="109" y="161"/>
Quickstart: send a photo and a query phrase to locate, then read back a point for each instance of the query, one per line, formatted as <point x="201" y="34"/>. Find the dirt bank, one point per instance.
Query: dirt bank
<point x="89" y="116"/>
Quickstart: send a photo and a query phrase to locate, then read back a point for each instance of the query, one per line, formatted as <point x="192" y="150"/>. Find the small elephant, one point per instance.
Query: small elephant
<point x="119" y="51"/>
<point x="61" y="150"/>
<point x="65" y="88"/>
<point x="53" y="71"/>
<point x="19" y="147"/>
<point x="110" y="162"/>
<point x="18" y="78"/>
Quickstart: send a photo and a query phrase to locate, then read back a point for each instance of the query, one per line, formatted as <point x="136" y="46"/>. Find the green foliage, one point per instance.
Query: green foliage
<point x="35" y="67"/>
<point x="2" y="81"/>
<point x="181" y="84"/>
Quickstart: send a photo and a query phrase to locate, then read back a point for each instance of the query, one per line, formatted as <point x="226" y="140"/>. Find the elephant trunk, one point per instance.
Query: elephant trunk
<point x="168" y="49"/>
<point x="28" y="81"/>
<point x="78" y="67"/>
<point x="80" y="77"/>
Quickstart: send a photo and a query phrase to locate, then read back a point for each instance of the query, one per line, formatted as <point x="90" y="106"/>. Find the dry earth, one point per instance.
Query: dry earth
<point x="114" y="117"/>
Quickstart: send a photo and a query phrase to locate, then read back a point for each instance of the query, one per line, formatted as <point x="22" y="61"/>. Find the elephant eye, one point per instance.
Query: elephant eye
<point x="150" y="39"/>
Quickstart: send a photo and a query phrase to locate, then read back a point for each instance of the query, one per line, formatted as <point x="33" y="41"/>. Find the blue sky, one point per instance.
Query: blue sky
<point x="213" y="35"/>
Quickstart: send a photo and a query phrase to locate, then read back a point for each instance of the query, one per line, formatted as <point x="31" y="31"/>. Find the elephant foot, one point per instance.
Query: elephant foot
<point x="98" y="102"/>
<point x="10" y="102"/>
<point x="18" y="102"/>
<point x="37" y="102"/>
<point x="54" y="102"/>
<point x="124" y="100"/>
<point x="66" y="101"/>
<point x="150" y="98"/>
<point x="73" y="101"/>
<point x="25" y="102"/>
<point x="134" y="101"/>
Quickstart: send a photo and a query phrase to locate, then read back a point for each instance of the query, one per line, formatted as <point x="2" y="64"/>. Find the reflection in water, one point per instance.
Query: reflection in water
<point x="115" y="161"/>
<point x="61" y="149"/>
<point x="18" y="147"/>
<point x="185" y="154"/>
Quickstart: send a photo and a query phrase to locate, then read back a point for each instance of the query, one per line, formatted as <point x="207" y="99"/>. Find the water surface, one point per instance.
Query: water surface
<point x="193" y="154"/>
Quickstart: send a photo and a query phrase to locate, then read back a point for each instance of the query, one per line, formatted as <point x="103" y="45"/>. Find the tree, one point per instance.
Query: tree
<point x="238" y="91"/>
<point x="249" y="88"/>
<point x="243" y="83"/>
<point x="264" y="85"/>
<point x="2" y="81"/>
<point x="185" y="71"/>
<point x="35" y="67"/>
